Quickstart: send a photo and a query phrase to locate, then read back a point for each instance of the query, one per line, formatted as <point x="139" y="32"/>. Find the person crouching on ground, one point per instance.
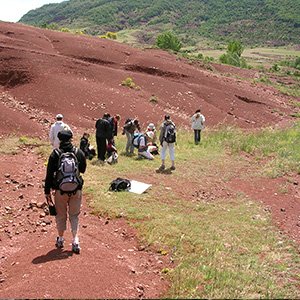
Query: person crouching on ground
<point x="85" y="146"/>
<point x="140" y="141"/>
<point x="152" y="147"/>
<point x="167" y="140"/>
<point x="66" y="203"/>
<point x="112" y="152"/>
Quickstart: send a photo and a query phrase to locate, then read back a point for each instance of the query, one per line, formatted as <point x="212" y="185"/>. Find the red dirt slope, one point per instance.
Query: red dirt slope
<point x="81" y="77"/>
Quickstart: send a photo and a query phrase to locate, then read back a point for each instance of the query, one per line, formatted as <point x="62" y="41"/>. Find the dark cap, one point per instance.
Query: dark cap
<point x="65" y="135"/>
<point x="167" y="117"/>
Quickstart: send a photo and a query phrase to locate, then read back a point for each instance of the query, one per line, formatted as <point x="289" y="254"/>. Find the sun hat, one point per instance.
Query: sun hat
<point x="151" y="126"/>
<point x="59" y="116"/>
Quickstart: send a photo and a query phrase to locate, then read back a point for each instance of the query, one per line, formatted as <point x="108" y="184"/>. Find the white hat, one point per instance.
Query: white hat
<point x="150" y="134"/>
<point x="151" y="126"/>
<point x="59" y="116"/>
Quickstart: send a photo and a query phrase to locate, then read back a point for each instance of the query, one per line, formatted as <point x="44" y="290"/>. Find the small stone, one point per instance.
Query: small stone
<point x="6" y="175"/>
<point x="84" y="226"/>
<point x="41" y="204"/>
<point x="21" y="196"/>
<point x="282" y="209"/>
<point x="43" y="230"/>
<point x="33" y="203"/>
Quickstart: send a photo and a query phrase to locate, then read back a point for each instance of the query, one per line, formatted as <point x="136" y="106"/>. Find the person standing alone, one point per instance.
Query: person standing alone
<point x="58" y="126"/>
<point x="167" y="140"/>
<point x="197" y="125"/>
<point x="63" y="176"/>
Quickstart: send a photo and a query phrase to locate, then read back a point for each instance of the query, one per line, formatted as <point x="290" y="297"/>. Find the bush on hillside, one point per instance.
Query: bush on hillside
<point x="233" y="55"/>
<point x="168" y="41"/>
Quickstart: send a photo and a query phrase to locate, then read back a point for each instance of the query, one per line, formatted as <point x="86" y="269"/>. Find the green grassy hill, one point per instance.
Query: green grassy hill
<point x="254" y="22"/>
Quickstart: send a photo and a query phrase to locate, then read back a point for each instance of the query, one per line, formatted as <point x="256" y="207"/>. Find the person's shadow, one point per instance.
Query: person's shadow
<point x="55" y="254"/>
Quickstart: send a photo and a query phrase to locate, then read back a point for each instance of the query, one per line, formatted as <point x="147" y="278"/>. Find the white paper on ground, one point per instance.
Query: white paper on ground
<point x="138" y="187"/>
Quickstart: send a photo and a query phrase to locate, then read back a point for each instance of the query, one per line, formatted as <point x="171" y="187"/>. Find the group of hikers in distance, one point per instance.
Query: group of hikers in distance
<point x="66" y="163"/>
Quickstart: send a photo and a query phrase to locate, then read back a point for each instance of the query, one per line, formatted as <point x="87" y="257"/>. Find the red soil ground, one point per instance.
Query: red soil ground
<point x="43" y="73"/>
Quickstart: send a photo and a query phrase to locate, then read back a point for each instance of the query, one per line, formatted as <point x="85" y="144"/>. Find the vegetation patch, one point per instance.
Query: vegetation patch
<point x="226" y="248"/>
<point x="130" y="83"/>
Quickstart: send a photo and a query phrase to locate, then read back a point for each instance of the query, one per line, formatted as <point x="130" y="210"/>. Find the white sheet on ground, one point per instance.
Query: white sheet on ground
<point x="138" y="187"/>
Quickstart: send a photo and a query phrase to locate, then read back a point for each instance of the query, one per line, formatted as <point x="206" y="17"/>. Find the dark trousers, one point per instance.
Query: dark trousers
<point x="197" y="136"/>
<point x="101" y="147"/>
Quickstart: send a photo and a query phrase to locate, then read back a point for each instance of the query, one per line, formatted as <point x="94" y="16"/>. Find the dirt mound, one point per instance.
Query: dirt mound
<point x="81" y="77"/>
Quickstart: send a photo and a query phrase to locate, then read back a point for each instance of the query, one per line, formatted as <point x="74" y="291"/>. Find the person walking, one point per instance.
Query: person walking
<point x="55" y="128"/>
<point x="167" y="139"/>
<point x="104" y="132"/>
<point x="197" y="125"/>
<point x="130" y="127"/>
<point x="63" y="177"/>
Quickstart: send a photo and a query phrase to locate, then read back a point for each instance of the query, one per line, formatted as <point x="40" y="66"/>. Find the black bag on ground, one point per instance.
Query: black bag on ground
<point x="120" y="184"/>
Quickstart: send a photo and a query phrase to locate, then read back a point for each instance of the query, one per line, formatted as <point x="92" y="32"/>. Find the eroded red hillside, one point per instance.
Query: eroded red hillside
<point x="49" y="72"/>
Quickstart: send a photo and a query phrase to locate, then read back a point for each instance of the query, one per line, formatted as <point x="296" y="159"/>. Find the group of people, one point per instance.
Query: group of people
<point x="66" y="163"/>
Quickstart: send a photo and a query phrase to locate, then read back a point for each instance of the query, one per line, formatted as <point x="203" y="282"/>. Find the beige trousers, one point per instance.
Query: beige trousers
<point x="65" y="205"/>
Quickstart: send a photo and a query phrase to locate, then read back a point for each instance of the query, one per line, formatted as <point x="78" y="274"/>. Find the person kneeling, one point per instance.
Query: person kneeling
<point x="140" y="142"/>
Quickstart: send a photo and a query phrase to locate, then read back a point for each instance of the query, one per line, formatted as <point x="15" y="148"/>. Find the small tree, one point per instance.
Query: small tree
<point x="235" y="47"/>
<point x="168" y="40"/>
<point x="233" y="55"/>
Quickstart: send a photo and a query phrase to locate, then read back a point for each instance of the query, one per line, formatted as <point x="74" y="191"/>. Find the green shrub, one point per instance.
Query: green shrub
<point x="111" y="35"/>
<point x="130" y="83"/>
<point x="168" y="41"/>
<point x="153" y="99"/>
<point x="233" y="55"/>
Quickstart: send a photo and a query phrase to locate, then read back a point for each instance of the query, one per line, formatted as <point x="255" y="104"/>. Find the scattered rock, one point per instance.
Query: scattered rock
<point x="33" y="203"/>
<point x="282" y="209"/>
<point x="6" y="175"/>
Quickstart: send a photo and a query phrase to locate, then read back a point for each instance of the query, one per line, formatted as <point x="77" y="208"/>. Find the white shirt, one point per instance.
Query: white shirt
<point x="54" y="130"/>
<point x="198" y="121"/>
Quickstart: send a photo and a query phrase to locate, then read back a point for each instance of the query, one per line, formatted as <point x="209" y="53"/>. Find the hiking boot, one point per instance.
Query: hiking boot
<point x="75" y="248"/>
<point x="161" y="168"/>
<point x="173" y="168"/>
<point x="59" y="243"/>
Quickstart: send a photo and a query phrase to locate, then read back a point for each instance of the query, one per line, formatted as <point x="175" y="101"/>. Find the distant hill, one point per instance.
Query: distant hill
<point x="254" y="22"/>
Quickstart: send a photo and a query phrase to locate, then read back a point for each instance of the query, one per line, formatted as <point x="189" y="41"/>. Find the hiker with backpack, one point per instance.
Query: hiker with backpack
<point x="129" y="128"/>
<point x="63" y="178"/>
<point x="55" y="128"/>
<point x="167" y="140"/>
<point x="140" y="141"/>
<point x="103" y="134"/>
<point x="197" y="125"/>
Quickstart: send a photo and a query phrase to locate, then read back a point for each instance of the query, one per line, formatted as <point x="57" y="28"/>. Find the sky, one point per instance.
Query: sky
<point x="13" y="10"/>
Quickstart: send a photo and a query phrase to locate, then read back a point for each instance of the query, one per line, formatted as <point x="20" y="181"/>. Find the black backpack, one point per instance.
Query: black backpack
<point x="120" y="184"/>
<point x="67" y="175"/>
<point x="170" y="133"/>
